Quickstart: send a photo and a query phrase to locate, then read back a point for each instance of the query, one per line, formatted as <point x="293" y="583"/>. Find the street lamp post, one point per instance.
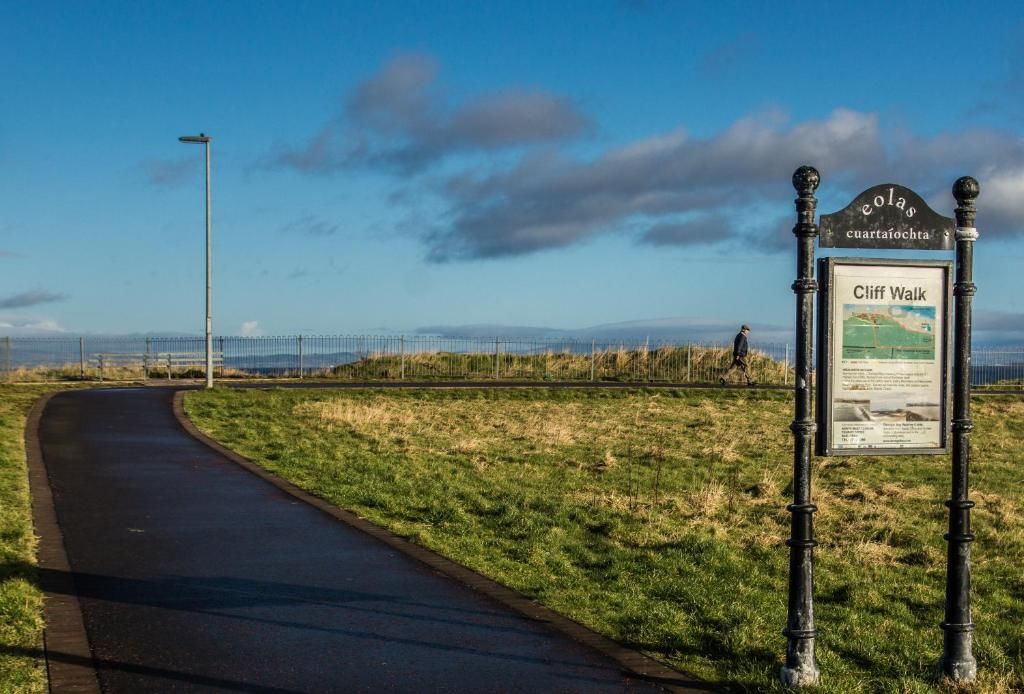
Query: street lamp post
<point x="203" y="139"/>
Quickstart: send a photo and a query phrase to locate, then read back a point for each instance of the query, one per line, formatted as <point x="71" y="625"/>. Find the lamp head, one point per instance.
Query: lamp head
<point x="200" y="139"/>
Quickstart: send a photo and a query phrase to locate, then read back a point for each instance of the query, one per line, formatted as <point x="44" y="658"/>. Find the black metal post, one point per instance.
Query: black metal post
<point x="958" y="662"/>
<point x="800" y="669"/>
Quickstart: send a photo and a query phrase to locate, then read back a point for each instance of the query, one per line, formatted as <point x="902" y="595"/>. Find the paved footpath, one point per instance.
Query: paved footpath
<point x="195" y="575"/>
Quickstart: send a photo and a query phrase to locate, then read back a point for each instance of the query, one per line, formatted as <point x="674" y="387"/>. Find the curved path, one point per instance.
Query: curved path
<point x="196" y="575"/>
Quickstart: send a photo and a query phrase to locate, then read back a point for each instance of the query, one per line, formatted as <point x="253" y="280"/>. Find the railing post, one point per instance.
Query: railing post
<point x="81" y="356"/>
<point x="401" y="347"/>
<point x="958" y="662"/>
<point x="689" y="347"/>
<point x="145" y="359"/>
<point x="300" y="355"/>
<point x="169" y="375"/>
<point x="101" y="366"/>
<point x="801" y="668"/>
<point x="785" y="368"/>
<point x="593" y="359"/>
<point x="496" y="369"/>
<point x="221" y="356"/>
<point x="650" y="360"/>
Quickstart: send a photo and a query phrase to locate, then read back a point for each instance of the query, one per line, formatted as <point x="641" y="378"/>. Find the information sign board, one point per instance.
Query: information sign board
<point x="887" y="216"/>
<point x="883" y="356"/>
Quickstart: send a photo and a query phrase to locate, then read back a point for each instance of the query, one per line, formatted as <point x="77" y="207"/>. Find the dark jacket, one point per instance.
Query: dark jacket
<point x="739" y="345"/>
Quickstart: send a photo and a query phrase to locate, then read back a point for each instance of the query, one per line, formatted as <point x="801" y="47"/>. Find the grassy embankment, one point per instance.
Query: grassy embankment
<point x="667" y="363"/>
<point x="21" y="602"/>
<point x="685" y="364"/>
<point x="658" y="518"/>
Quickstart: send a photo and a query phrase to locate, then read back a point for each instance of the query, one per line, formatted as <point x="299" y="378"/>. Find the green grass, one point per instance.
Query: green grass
<point x="658" y="517"/>
<point x="21" y="602"/>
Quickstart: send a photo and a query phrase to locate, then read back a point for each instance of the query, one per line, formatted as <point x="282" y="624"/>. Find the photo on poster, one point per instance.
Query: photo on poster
<point x="899" y="407"/>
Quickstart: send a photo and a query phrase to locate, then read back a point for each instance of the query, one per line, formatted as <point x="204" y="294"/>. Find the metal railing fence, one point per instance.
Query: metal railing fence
<point x="421" y="357"/>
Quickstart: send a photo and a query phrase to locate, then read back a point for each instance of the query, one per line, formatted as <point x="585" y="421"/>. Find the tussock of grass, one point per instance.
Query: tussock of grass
<point x="659" y="517"/>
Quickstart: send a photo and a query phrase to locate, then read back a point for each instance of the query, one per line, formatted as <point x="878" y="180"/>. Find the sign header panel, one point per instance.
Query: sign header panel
<point x="883" y="357"/>
<point x="888" y="216"/>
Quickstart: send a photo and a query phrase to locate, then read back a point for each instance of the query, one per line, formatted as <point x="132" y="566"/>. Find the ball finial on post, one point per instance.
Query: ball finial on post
<point x="965" y="191"/>
<point x="966" y="188"/>
<point x="806" y="180"/>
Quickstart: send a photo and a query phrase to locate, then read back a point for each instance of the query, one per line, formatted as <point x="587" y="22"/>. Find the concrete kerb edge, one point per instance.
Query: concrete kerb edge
<point x="64" y="632"/>
<point x="633" y="662"/>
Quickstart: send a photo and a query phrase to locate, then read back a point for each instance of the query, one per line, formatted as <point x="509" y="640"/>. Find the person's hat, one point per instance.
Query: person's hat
<point x="744" y="327"/>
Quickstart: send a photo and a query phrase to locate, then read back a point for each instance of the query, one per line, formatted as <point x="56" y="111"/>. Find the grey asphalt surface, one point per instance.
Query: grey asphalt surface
<point x="196" y="576"/>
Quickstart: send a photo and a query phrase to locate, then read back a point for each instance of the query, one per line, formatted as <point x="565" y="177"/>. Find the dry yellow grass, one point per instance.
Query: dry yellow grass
<point x="714" y="432"/>
<point x="73" y="372"/>
<point x="709" y="498"/>
<point x="538" y="424"/>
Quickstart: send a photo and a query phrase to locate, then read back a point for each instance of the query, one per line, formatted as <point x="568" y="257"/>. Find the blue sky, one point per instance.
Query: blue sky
<point x="482" y="167"/>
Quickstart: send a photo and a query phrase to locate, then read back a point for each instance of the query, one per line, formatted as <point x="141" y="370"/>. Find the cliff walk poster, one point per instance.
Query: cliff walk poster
<point x="886" y="341"/>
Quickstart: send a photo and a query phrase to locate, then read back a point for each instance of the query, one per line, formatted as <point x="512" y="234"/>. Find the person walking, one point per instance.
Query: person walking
<point x="739" y="356"/>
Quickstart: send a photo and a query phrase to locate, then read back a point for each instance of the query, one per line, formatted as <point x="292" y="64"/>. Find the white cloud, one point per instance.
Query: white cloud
<point x="401" y="118"/>
<point x="546" y="201"/>
<point x="738" y="177"/>
<point x="21" y="326"/>
<point x="1001" y="202"/>
<point x="251" y="328"/>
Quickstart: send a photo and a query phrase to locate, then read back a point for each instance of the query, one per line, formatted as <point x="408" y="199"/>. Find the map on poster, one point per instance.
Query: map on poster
<point x="891" y="331"/>
<point x="887" y="370"/>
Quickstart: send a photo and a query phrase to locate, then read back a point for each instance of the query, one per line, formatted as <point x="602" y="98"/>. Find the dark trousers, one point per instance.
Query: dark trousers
<point x="741" y="363"/>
